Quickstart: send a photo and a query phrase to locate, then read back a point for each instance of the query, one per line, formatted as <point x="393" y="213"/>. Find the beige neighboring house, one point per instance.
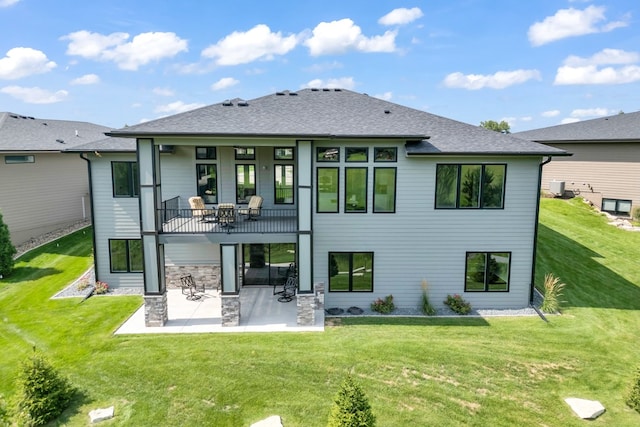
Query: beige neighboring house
<point x="605" y="166"/>
<point x="41" y="188"/>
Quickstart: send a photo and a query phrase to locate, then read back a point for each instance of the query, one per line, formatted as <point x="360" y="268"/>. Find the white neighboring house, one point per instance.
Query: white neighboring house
<point x="363" y="197"/>
<point x="42" y="189"/>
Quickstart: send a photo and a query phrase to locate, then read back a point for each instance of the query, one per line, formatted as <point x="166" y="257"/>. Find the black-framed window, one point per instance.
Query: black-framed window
<point x="125" y="255"/>
<point x="328" y="154"/>
<point x="616" y="206"/>
<point x="487" y="271"/>
<point x="355" y="190"/>
<point x="350" y="271"/>
<point x="384" y="190"/>
<point x="470" y="186"/>
<point x="206" y="153"/>
<point x="245" y="182"/>
<point x="283" y="180"/>
<point x="356" y="154"/>
<point x="11" y="160"/>
<point x="245" y="153"/>
<point x="207" y="176"/>
<point x="125" y="179"/>
<point x="385" y="154"/>
<point x="327" y="190"/>
<point x="283" y="153"/>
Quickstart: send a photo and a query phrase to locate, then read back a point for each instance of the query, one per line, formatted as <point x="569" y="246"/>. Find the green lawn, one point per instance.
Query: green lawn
<point x="416" y="372"/>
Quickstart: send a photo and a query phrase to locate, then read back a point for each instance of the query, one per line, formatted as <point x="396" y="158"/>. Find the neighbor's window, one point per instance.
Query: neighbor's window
<point x="206" y="153"/>
<point x="616" y="206"/>
<point x="470" y="186"/>
<point x="283" y="153"/>
<point x="355" y="196"/>
<point x="359" y="154"/>
<point x="207" y="182"/>
<point x="245" y="153"/>
<point x="327" y="190"/>
<point x="19" y="159"/>
<point x="384" y="190"/>
<point x="487" y="272"/>
<point x="125" y="255"/>
<point x="331" y="154"/>
<point x="245" y="182"/>
<point x="350" y="271"/>
<point x="283" y="184"/>
<point x="384" y="154"/>
<point x="125" y="179"/>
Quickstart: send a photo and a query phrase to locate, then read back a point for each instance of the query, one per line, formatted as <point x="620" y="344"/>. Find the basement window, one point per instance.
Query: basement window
<point x="10" y="160"/>
<point x="616" y="206"/>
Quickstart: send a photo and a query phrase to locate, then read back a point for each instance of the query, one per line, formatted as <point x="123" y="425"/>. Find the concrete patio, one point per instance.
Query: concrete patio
<point x="260" y="311"/>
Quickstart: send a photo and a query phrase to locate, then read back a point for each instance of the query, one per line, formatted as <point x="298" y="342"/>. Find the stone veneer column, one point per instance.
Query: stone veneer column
<point x="306" y="309"/>
<point x="155" y="310"/>
<point x="230" y="307"/>
<point x="319" y="299"/>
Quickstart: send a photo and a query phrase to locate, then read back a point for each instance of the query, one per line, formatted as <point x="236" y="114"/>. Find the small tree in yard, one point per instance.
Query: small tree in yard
<point x="7" y="250"/>
<point x="351" y="407"/>
<point x="633" y="399"/>
<point x="43" y="394"/>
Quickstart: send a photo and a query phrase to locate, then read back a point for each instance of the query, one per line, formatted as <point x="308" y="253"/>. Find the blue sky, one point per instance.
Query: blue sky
<point x="111" y="62"/>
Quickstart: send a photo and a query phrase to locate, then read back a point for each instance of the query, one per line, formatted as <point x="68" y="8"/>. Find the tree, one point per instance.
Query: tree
<point x="502" y="127"/>
<point x="7" y="250"/>
<point x="351" y="407"/>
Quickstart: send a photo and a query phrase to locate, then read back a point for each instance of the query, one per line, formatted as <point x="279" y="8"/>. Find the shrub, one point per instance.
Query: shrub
<point x="552" y="293"/>
<point x="7" y="250"/>
<point x="42" y="393"/>
<point x="458" y="304"/>
<point x="351" y="407"/>
<point x="426" y="306"/>
<point x="82" y="285"/>
<point x="101" y="288"/>
<point x="633" y="399"/>
<point x="385" y="305"/>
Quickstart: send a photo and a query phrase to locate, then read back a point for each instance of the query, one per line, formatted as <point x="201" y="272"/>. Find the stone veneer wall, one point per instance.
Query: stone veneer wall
<point x="306" y="309"/>
<point x="155" y="310"/>
<point x="207" y="274"/>
<point x="319" y="299"/>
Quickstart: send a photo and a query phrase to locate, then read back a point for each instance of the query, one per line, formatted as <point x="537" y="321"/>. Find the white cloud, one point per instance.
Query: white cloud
<point x="569" y="120"/>
<point x="550" y="113"/>
<point x="177" y="107"/>
<point x="570" y="23"/>
<point x="163" y="91"/>
<point x="224" y="83"/>
<point x="257" y="43"/>
<point x="526" y="118"/>
<point x="590" y="112"/>
<point x="401" y="16"/>
<point x="35" y="95"/>
<point x="339" y="83"/>
<point x="591" y="74"/>
<point x="7" y="3"/>
<point x="128" y="55"/>
<point x="499" y="80"/>
<point x="323" y="67"/>
<point x="337" y="37"/>
<point x="23" y="61"/>
<point x="87" y="79"/>
<point x="386" y="96"/>
<point x="605" y="56"/>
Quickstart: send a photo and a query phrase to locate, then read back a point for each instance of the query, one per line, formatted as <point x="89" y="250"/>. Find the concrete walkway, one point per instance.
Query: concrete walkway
<point x="260" y="311"/>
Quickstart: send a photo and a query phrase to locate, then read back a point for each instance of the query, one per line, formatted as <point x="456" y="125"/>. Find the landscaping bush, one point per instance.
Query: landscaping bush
<point x="385" y="305"/>
<point x="633" y="399"/>
<point x="351" y="407"/>
<point x="458" y="304"/>
<point x="426" y="306"/>
<point x="101" y="288"/>
<point x="7" y="250"/>
<point x="42" y="393"/>
<point x="552" y="293"/>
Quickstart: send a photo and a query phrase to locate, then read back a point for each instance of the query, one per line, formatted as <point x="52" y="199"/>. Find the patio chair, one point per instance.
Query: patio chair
<point x="253" y="209"/>
<point x="198" y="209"/>
<point x="226" y="214"/>
<point x="289" y="291"/>
<point x="190" y="287"/>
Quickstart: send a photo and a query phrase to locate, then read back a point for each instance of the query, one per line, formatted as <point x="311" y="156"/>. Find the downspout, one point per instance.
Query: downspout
<point x="93" y="227"/>
<point x="535" y="232"/>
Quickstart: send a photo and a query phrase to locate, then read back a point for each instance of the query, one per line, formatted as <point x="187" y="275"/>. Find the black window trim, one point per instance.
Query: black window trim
<point x="366" y="190"/>
<point x="351" y="253"/>
<point x="486" y="287"/>
<point x="459" y="172"/>
<point x="337" y="170"/>
<point x="132" y="192"/>
<point x="293" y="185"/>
<point x="128" y="256"/>
<point x="395" y="192"/>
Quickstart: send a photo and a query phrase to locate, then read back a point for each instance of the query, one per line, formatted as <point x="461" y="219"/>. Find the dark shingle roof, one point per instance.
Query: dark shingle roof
<point x="621" y="127"/>
<point x="23" y="133"/>
<point x="339" y="113"/>
<point x="113" y="145"/>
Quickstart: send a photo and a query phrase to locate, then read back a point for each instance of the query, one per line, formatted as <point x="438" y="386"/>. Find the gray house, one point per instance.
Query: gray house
<point x="362" y="198"/>
<point x="42" y="189"/>
<point x="605" y="166"/>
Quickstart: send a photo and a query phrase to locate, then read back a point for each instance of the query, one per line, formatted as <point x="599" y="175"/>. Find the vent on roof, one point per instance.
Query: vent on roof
<point x="293" y="94"/>
<point x="280" y="93"/>
<point x="387" y="112"/>
<point x="243" y="103"/>
<point x="13" y="116"/>
<point x="325" y="89"/>
<point x="227" y="103"/>
<point x="314" y="89"/>
<point x="61" y="141"/>
<point x="45" y="124"/>
<point x="337" y="90"/>
<point x="31" y="118"/>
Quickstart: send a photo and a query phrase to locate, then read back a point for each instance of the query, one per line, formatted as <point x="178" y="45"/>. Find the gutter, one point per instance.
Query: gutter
<point x="535" y="232"/>
<point x="93" y="226"/>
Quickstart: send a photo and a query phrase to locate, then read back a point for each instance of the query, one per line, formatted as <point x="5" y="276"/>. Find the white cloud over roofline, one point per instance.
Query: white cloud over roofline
<point x="224" y="83"/>
<point x="623" y="68"/>
<point x="499" y="80"/>
<point x="336" y="83"/>
<point x="24" y="61"/>
<point x="401" y="16"/>
<point x="35" y="95"/>
<point x="177" y="107"/>
<point x="338" y="37"/>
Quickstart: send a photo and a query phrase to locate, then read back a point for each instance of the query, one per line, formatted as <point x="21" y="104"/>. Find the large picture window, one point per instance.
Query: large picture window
<point x="327" y="190"/>
<point x="355" y="190"/>
<point x="207" y="183"/>
<point x="384" y="190"/>
<point x="487" y="272"/>
<point x="125" y="256"/>
<point x="351" y="271"/>
<point x="470" y="186"/>
<point x="245" y="182"/>
<point x="125" y="179"/>
<point x="283" y="184"/>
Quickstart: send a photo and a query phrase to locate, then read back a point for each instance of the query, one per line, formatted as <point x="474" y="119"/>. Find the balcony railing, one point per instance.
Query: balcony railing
<point x="188" y="221"/>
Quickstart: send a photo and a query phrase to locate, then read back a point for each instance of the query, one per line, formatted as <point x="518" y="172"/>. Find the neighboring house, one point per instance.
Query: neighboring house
<point x="366" y="198"/>
<point x="605" y="166"/>
<point x="42" y="189"/>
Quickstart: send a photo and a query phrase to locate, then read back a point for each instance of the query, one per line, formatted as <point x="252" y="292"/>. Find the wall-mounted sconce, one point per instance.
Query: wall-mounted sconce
<point x="265" y="167"/>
